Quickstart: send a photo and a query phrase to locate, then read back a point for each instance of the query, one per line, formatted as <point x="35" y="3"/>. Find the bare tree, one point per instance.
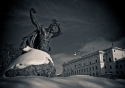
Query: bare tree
<point x="8" y="53"/>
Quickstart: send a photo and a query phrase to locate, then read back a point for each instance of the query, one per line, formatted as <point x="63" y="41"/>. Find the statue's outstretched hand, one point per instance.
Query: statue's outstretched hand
<point x="33" y="10"/>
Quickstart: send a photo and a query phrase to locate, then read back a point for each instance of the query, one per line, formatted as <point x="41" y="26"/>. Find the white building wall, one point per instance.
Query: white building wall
<point x="102" y="62"/>
<point x="118" y="54"/>
<point x="95" y="64"/>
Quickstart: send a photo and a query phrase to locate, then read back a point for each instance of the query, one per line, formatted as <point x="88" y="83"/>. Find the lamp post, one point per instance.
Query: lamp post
<point x="77" y="53"/>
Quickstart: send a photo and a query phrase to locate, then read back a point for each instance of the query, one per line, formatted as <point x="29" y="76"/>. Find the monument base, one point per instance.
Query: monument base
<point x="46" y="70"/>
<point x="34" y="62"/>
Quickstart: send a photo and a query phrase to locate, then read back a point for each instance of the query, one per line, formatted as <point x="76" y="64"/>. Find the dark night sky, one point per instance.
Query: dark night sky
<point x="85" y="24"/>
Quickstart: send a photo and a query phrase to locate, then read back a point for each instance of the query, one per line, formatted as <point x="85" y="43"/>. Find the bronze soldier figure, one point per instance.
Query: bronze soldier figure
<point x="40" y="38"/>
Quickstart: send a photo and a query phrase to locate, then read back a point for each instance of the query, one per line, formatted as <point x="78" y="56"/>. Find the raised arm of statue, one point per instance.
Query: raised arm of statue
<point x="35" y="23"/>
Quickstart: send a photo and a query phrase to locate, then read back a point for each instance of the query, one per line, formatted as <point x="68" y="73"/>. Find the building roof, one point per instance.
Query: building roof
<point x="83" y="57"/>
<point x="91" y="54"/>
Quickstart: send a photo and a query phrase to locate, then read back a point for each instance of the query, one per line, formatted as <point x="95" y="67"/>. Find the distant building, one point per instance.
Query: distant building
<point x="111" y="60"/>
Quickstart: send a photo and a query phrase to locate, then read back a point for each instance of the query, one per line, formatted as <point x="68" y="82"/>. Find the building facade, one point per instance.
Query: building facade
<point x="97" y="63"/>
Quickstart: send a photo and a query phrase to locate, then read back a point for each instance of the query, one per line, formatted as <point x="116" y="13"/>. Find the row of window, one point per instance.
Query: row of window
<point x="86" y="70"/>
<point x="118" y="72"/>
<point x="109" y="59"/>
<point x="120" y="66"/>
<point x="79" y="65"/>
<point x="121" y="72"/>
<point x="109" y="67"/>
<point x="117" y="66"/>
<point x="78" y="73"/>
<point x="82" y="70"/>
<point x="95" y="61"/>
<point x="92" y="68"/>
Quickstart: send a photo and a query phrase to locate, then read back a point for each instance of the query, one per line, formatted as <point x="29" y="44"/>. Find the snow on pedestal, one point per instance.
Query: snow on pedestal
<point x="34" y="62"/>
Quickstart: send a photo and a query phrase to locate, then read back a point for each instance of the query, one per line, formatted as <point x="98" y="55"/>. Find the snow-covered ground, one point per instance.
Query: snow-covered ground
<point x="79" y="81"/>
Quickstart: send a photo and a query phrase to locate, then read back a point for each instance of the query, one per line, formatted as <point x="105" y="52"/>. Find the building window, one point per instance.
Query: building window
<point x="87" y="69"/>
<point x="77" y="71"/>
<point x="104" y="60"/>
<point x="105" y="67"/>
<point x="109" y="51"/>
<point x="114" y="50"/>
<point x="75" y="65"/>
<point x="90" y="68"/>
<point x="84" y="70"/>
<point x="110" y="67"/>
<point x="115" y="59"/>
<point x="97" y="73"/>
<point x="120" y="66"/>
<point x="96" y="67"/>
<point x="109" y="59"/>
<point x="93" y="74"/>
<point x="80" y="64"/>
<point x="117" y="72"/>
<point x="90" y="62"/>
<point x="96" y="60"/>
<point x="116" y="66"/>
<point x="111" y="72"/>
<point x="72" y="72"/>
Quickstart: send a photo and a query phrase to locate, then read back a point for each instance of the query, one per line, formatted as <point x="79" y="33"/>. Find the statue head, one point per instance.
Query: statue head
<point x="54" y="20"/>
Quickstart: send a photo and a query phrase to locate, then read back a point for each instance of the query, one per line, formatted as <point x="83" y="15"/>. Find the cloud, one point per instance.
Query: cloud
<point x="101" y="44"/>
<point x="97" y="44"/>
<point x="120" y="43"/>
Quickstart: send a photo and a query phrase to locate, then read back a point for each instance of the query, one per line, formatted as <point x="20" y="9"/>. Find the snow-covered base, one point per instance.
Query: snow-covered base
<point x="32" y="57"/>
<point x="80" y="81"/>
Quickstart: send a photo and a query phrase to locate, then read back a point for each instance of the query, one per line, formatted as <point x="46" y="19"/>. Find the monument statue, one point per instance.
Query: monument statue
<point x="40" y="38"/>
<point x="35" y="60"/>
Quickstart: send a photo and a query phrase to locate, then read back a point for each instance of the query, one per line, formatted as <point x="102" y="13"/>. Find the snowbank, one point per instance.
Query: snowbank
<point x="80" y="81"/>
<point x="32" y="57"/>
